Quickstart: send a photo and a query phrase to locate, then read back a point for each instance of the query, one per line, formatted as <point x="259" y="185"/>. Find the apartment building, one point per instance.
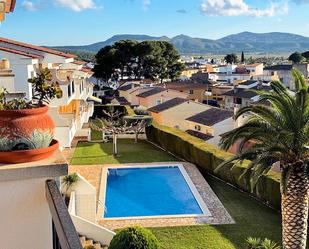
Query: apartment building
<point x="77" y="103"/>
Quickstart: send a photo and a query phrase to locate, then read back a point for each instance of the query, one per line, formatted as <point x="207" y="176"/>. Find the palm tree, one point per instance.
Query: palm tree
<point x="280" y="133"/>
<point x="69" y="181"/>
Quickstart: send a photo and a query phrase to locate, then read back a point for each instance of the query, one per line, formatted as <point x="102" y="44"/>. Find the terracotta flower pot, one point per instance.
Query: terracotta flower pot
<point x="18" y="123"/>
<point x="22" y="156"/>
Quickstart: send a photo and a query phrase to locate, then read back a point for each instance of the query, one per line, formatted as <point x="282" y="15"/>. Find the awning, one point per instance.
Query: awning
<point x="95" y="99"/>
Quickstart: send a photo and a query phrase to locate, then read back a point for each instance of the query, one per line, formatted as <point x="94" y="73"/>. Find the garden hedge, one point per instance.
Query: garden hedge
<point x="207" y="157"/>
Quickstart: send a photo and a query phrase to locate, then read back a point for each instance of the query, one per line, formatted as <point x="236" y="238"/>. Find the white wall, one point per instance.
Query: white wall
<point x="220" y="128"/>
<point x="85" y="199"/>
<point x="25" y="216"/>
<point x="177" y="115"/>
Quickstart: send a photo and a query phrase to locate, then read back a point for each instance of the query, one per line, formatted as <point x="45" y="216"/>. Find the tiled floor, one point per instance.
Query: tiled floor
<point x="219" y="214"/>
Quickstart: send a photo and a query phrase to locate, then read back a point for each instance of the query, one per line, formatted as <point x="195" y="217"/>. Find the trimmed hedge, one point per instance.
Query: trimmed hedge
<point x="207" y="157"/>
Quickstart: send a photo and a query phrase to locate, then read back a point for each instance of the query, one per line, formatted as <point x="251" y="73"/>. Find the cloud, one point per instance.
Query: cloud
<point x="240" y="7"/>
<point x="29" y="6"/>
<point x="182" y="11"/>
<point x="146" y="4"/>
<point x="77" y="5"/>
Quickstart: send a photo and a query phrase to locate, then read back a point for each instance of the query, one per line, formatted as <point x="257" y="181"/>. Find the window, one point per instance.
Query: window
<point x="73" y="87"/>
<point x="69" y="91"/>
<point x="190" y="91"/>
<point x="197" y="127"/>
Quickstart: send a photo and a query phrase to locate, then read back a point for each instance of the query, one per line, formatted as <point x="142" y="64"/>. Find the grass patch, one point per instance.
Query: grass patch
<point x="129" y="152"/>
<point x="252" y="219"/>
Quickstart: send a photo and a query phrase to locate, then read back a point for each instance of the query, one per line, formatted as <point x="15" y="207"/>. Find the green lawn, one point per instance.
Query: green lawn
<point x="252" y="219"/>
<point x="129" y="152"/>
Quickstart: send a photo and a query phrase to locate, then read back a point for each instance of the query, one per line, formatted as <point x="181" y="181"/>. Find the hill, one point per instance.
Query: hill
<point x="274" y="42"/>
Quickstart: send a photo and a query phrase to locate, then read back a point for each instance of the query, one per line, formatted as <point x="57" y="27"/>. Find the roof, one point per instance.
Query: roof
<point x="14" y="51"/>
<point x="122" y="101"/>
<point x="248" y="82"/>
<point x="253" y="65"/>
<point x="127" y="87"/>
<point x="211" y="116"/>
<point x="167" y="105"/>
<point x="200" y="135"/>
<point x="279" y="67"/>
<point x="245" y="93"/>
<point x="77" y="62"/>
<point x="181" y="85"/>
<point x="151" y="92"/>
<point x="38" y="48"/>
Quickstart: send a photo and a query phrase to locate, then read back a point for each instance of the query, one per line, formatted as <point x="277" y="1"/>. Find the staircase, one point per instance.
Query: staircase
<point x="86" y="242"/>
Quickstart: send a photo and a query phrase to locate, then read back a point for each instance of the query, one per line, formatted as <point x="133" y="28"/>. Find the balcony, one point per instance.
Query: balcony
<point x="33" y="213"/>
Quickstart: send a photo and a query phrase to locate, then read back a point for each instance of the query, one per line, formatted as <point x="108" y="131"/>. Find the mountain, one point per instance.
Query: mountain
<point x="274" y="42"/>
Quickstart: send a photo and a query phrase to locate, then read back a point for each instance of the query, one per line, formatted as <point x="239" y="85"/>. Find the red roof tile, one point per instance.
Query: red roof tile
<point x="14" y="51"/>
<point x="34" y="47"/>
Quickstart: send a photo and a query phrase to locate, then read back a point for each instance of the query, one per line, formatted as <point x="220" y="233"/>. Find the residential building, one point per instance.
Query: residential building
<point x="174" y="112"/>
<point x="244" y="94"/>
<point x="77" y="103"/>
<point x="6" y="6"/>
<point x="157" y="95"/>
<point x="284" y="72"/>
<point x="211" y="124"/>
<point x="194" y="91"/>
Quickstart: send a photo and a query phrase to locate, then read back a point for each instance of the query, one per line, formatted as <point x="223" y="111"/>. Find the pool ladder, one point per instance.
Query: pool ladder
<point x="104" y="207"/>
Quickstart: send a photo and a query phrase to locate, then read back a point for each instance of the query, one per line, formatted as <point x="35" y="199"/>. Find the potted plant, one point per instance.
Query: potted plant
<point x="26" y="129"/>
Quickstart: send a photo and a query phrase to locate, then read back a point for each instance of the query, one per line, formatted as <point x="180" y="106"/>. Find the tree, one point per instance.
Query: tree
<point x="231" y="58"/>
<point x="138" y="123"/>
<point x="296" y="57"/>
<point x="287" y="120"/>
<point x="149" y="59"/>
<point x="242" y="57"/>
<point x="112" y="123"/>
<point x="306" y="55"/>
<point x="106" y="64"/>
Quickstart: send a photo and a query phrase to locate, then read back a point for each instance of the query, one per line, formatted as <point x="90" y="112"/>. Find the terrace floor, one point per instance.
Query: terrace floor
<point x="251" y="217"/>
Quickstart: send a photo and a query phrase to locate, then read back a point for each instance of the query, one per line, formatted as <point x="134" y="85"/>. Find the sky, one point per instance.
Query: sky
<point x="82" y="22"/>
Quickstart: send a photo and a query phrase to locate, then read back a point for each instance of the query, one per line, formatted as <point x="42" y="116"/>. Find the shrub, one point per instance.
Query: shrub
<point x="134" y="238"/>
<point x="257" y="243"/>
<point x="89" y="247"/>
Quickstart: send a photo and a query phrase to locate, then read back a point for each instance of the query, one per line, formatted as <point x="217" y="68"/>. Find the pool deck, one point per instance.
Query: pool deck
<point x="219" y="215"/>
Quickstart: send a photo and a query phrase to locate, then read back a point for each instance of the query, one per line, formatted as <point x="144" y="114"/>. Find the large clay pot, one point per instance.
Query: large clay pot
<point x="16" y="123"/>
<point x="23" y="156"/>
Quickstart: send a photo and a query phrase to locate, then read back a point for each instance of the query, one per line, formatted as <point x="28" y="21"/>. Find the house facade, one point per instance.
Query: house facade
<point x="173" y="113"/>
<point x="150" y="97"/>
<point x="194" y="91"/>
<point x="209" y="125"/>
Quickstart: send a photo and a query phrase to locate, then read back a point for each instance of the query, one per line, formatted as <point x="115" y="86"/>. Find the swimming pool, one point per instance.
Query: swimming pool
<point x="151" y="191"/>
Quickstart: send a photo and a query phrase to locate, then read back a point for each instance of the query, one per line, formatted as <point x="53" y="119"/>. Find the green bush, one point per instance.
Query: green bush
<point x="134" y="238"/>
<point x="208" y="157"/>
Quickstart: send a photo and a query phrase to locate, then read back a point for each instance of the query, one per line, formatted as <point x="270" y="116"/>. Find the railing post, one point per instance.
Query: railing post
<point x="62" y="223"/>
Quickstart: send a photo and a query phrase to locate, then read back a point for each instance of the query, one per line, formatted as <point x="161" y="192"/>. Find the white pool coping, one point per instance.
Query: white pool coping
<point x="193" y="189"/>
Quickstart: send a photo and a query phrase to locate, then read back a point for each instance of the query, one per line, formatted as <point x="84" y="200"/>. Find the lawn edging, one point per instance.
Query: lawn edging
<point x="207" y="157"/>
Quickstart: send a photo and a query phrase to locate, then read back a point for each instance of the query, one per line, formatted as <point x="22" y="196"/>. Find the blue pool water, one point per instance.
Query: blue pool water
<point x="148" y="191"/>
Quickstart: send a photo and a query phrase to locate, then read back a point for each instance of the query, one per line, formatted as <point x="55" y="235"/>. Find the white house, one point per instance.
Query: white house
<point x="76" y="105"/>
